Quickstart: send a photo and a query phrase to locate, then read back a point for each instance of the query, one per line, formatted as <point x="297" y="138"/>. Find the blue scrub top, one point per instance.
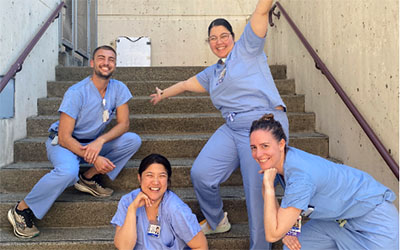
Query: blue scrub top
<point x="83" y="102"/>
<point x="247" y="84"/>
<point x="336" y="191"/>
<point x="178" y="224"/>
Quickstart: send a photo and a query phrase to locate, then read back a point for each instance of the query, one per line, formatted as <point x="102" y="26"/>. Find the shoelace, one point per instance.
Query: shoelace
<point x="97" y="181"/>
<point x="27" y="215"/>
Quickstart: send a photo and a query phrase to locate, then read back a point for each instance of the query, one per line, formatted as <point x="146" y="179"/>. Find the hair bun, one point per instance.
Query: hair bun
<point x="267" y="117"/>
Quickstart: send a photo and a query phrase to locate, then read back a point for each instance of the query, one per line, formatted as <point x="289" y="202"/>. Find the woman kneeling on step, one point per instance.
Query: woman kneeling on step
<point x="152" y="216"/>
<point x="348" y="209"/>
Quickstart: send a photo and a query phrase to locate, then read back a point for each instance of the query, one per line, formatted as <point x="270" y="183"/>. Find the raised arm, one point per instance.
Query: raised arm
<point x="277" y="221"/>
<point x="190" y="84"/>
<point x="259" y="19"/>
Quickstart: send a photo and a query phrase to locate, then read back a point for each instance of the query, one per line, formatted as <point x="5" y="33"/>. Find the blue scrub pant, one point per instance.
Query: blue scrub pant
<point x="378" y="229"/>
<point x="228" y="148"/>
<point x="66" y="170"/>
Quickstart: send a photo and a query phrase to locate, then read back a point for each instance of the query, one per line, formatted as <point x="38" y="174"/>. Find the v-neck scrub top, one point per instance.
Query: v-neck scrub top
<point x="84" y="103"/>
<point x="247" y="84"/>
<point x="336" y="191"/>
<point x="178" y="224"/>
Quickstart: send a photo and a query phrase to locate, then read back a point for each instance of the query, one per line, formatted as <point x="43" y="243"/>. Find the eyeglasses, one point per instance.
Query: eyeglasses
<point x="223" y="37"/>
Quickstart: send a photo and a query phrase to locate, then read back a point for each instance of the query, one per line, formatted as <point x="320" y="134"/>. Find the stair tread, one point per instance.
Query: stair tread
<point x="149" y="81"/>
<point x="133" y="163"/>
<point x="102" y="233"/>
<point x="188" y="136"/>
<point x="57" y="98"/>
<point x="168" y="115"/>
<point x="175" y="162"/>
<point x="72" y="195"/>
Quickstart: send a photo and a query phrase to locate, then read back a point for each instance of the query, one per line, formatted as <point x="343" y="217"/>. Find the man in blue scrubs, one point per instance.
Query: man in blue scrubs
<point x="85" y="111"/>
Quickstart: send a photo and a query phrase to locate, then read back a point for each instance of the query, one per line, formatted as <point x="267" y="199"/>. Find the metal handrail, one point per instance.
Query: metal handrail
<point x="325" y="71"/>
<point x="17" y="66"/>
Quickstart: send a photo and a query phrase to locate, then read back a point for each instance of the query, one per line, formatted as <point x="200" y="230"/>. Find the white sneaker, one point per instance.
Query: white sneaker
<point x="223" y="226"/>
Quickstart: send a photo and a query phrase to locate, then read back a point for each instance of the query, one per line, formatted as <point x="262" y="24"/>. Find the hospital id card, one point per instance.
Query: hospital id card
<point x="154" y="230"/>
<point x="106" y="115"/>
<point x="296" y="229"/>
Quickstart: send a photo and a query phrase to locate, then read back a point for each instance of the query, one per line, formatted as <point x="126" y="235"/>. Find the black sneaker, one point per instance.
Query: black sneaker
<point x="93" y="187"/>
<point x="22" y="222"/>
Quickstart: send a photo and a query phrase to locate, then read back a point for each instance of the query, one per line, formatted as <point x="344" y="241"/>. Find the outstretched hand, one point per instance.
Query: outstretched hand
<point x="156" y="98"/>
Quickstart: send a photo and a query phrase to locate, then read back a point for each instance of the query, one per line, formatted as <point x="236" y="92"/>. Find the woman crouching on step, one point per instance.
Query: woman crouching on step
<point x="348" y="209"/>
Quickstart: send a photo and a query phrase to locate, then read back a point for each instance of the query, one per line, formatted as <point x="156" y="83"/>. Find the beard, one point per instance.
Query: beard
<point x="101" y="75"/>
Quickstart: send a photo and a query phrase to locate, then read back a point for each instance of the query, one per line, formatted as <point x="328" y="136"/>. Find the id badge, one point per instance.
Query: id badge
<point x="154" y="230"/>
<point x="54" y="142"/>
<point x="106" y="115"/>
<point x="296" y="229"/>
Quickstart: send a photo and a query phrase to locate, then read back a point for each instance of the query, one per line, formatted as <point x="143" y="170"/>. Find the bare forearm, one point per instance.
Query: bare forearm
<point x="173" y="90"/>
<point x="270" y="214"/>
<point x="126" y="236"/>
<point x="199" y="242"/>
<point x="71" y="144"/>
<point x="263" y="7"/>
<point x="259" y="19"/>
<point x="190" y="84"/>
<point x="114" y="132"/>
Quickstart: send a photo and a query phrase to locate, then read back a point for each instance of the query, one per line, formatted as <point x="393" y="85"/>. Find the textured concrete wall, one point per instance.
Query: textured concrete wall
<point x="359" y="42"/>
<point x="178" y="29"/>
<point x="19" y="22"/>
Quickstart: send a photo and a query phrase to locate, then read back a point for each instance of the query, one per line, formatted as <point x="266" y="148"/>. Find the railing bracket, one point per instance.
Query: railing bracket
<point x="272" y="12"/>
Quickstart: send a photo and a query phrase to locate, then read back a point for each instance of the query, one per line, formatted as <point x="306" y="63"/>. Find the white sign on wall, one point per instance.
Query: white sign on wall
<point x="133" y="51"/>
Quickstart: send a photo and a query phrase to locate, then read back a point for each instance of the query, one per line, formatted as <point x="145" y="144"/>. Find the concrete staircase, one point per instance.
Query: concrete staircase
<point x="177" y="128"/>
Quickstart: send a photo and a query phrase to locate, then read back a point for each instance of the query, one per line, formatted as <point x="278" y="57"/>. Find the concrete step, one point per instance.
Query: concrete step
<point x="178" y="104"/>
<point x="173" y="123"/>
<point x="101" y="238"/>
<point x="77" y="209"/>
<point x="22" y="176"/>
<point x="145" y="88"/>
<point x="148" y="73"/>
<point x="188" y="145"/>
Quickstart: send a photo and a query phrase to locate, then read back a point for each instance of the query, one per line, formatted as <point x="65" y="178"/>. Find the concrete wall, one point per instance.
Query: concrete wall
<point x="178" y="29"/>
<point x="358" y="41"/>
<point x="19" y="22"/>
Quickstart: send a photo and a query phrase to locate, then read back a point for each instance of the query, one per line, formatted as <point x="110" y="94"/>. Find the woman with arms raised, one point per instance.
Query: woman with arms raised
<point x="240" y="85"/>
<point x="152" y="216"/>
<point x="348" y="209"/>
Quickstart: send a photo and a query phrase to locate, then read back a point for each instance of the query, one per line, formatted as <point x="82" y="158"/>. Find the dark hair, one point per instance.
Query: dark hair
<point x="105" y="47"/>
<point x="221" y="22"/>
<point x="156" y="158"/>
<point x="268" y="123"/>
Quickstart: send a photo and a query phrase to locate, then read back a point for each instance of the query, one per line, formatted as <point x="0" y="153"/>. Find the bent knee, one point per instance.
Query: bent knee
<point x="67" y="172"/>
<point x="132" y="140"/>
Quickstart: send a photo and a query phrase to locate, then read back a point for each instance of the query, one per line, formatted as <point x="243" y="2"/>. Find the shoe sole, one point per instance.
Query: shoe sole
<point x="85" y="189"/>
<point x="216" y="231"/>
<point x="11" y="219"/>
